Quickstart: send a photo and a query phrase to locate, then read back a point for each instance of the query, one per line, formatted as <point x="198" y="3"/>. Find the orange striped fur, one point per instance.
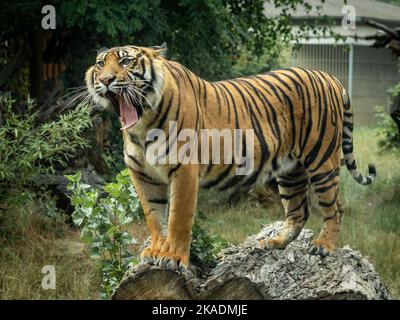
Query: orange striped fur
<point x="302" y="121"/>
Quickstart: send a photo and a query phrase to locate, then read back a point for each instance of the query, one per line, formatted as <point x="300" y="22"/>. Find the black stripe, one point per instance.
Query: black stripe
<point x="274" y="117"/>
<point x="144" y="177"/>
<point x="263" y="100"/>
<point x="271" y="86"/>
<point x="351" y="165"/>
<point x="303" y="202"/>
<point x="310" y="158"/>
<point x="291" y="196"/>
<point x="324" y="95"/>
<point x="223" y="93"/>
<point x="234" y="104"/>
<point x="317" y="95"/>
<point x="142" y="174"/>
<point x="166" y="112"/>
<point x="225" y="173"/>
<point x="292" y="121"/>
<point x="295" y="174"/>
<point x="327" y="204"/>
<point x="135" y="160"/>
<point x="348" y="151"/>
<point x="262" y="142"/>
<point x="204" y="93"/>
<point x="189" y="76"/>
<point x="134" y="139"/>
<point x="328" y="152"/>
<point x="152" y="72"/>
<point x="331" y="217"/>
<point x="157" y="116"/>
<point x="233" y="181"/>
<point x="348" y="125"/>
<point x="176" y="78"/>
<point x="293" y="183"/>
<point x="324" y="189"/>
<point x="303" y="138"/>
<point x="218" y="98"/>
<point x="294" y="82"/>
<point x="275" y="76"/>
<point x="322" y="178"/>
<point x="173" y="170"/>
<point x="219" y="178"/>
<point x="158" y="201"/>
<point x="249" y="94"/>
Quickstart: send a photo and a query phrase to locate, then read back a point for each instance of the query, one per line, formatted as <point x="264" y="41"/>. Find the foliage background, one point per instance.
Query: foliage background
<point x="208" y="36"/>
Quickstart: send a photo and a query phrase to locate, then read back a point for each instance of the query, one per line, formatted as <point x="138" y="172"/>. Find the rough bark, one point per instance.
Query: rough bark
<point x="247" y="272"/>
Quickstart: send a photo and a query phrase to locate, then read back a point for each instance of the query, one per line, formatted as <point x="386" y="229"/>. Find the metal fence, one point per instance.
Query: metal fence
<point x="374" y="72"/>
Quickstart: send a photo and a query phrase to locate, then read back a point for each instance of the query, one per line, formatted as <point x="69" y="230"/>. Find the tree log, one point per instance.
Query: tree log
<point x="247" y="272"/>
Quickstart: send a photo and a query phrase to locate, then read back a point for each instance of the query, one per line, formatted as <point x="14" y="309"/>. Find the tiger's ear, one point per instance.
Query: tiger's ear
<point x="160" y="50"/>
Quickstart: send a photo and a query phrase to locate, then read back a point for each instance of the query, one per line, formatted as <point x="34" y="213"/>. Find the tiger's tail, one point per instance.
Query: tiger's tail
<point x="347" y="146"/>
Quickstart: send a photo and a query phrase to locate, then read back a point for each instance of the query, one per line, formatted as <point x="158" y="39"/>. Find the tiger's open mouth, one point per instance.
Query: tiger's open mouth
<point x="127" y="110"/>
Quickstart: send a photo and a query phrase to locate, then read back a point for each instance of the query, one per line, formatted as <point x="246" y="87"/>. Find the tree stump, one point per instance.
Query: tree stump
<point x="247" y="272"/>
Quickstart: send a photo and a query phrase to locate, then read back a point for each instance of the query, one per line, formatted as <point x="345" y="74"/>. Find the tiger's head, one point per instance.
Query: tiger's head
<point x="128" y="78"/>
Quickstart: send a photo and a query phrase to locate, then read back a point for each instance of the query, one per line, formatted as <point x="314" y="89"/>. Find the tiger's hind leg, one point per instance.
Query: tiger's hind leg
<point x="326" y="184"/>
<point x="293" y="189"/>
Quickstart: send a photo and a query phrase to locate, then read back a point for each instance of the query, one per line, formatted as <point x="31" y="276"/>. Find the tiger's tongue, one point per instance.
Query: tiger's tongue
<point x="128" y="114"/>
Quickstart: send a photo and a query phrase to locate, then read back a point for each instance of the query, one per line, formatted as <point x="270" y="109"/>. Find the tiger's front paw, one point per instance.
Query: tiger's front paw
<point x="166" y="256"/>
<point x="149" y="255"/>
<point x="172" y="257"/>
<point x="173" y="261"/>
<point x="322" y="248"/>
<point x="272" y="243"/>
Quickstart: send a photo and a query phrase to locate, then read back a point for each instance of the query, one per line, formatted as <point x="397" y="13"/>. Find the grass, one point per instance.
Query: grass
<point x="29" y="240"/>
<point x="371" y="222"/>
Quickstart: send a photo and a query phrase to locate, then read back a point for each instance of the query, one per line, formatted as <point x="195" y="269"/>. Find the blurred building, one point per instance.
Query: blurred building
<point x="366" y="72"/>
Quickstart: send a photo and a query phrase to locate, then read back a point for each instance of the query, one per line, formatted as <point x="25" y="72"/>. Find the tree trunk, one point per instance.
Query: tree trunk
<point x="247" y="272"/>
<point x="36" y="62"/>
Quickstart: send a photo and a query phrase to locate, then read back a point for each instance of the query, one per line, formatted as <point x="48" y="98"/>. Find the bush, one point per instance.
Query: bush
<point x="104" y="223"/>
<point x="204" y="248"/>
<point x="28" y="149"/>
<point x="248" y="64"/>
<point x="105" y="220"/>
<point x="387" y="130"/>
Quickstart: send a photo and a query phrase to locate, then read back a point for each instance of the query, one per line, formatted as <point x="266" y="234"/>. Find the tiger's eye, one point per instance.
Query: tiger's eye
<point x="126" y="62"/>
<point x="100" y="64"/>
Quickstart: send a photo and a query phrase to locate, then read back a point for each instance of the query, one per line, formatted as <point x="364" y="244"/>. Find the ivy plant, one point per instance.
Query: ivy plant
<point x="104" y="222"/>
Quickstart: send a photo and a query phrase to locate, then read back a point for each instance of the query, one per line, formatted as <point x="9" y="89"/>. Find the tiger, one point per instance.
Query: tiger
<point x="302" y="121"/>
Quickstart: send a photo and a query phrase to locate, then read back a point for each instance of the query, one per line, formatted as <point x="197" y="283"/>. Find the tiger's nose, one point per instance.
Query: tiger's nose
<point x="107" y="80"/>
